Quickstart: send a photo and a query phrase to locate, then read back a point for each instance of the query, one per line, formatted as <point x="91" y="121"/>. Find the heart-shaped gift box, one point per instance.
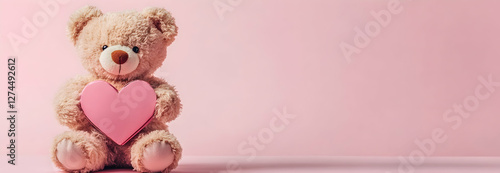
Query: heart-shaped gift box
<point x="119" y="114"/>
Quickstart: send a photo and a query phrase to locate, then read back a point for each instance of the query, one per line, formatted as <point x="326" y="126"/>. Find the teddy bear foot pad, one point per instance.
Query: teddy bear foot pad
<point x="157" y="156"/>
<point x="70" y="155"/>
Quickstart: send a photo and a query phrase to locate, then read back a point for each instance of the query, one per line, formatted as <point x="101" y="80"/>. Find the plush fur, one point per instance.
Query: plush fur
<point x="152" y="30"/>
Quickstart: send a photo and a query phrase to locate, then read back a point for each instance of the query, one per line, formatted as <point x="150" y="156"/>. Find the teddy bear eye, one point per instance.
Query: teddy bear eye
<point x="104" y="47"/>
<point x="135" y="49"/>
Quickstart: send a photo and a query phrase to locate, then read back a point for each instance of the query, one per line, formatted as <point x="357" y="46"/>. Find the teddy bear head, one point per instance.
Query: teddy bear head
<point x="122" y="46"/>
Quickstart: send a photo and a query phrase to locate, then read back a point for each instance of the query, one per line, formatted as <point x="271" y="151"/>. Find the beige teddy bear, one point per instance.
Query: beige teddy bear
<point x="118" y="48"/>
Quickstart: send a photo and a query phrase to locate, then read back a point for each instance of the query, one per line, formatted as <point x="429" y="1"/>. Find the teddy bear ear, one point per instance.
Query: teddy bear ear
<point x="163" y="21"/>
<point x="79" y="19"/>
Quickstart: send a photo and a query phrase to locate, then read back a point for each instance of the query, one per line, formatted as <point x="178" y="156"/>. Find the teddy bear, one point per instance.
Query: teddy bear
<point x="118" y="48"/>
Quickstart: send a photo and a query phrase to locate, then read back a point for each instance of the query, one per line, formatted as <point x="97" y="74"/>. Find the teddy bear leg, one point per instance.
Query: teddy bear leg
<point x="79" y="151"/>
<point x="157" y="151"/>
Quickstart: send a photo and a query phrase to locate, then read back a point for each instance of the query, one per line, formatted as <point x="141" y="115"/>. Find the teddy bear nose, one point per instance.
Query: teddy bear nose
<point x="119" y="56"/>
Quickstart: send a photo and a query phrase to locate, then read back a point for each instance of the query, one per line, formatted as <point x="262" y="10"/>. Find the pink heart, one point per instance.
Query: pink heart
<point x="119" y="115"/>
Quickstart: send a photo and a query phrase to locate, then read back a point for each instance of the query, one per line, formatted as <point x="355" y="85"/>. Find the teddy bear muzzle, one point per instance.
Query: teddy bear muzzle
<point x="119" y="60"/>
<point x="119" y="56"/>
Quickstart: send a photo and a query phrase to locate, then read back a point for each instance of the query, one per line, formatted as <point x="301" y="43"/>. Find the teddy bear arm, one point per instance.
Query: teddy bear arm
<point x="67" y="104"/>
<point x="168" y="104"/>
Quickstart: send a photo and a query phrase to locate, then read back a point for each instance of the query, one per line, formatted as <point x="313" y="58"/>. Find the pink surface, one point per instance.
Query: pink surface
<point x="118" y="114"/>
<point x="304" y="164"/>
<point x="273" y="72"/>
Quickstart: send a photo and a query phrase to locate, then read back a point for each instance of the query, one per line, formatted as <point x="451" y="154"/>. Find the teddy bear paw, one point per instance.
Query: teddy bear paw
<point x="157" y="156"/>
<point x="70" y="155"/>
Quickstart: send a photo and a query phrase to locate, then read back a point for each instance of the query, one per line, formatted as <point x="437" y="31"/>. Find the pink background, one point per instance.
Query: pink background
<point x="275" y="54"/>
